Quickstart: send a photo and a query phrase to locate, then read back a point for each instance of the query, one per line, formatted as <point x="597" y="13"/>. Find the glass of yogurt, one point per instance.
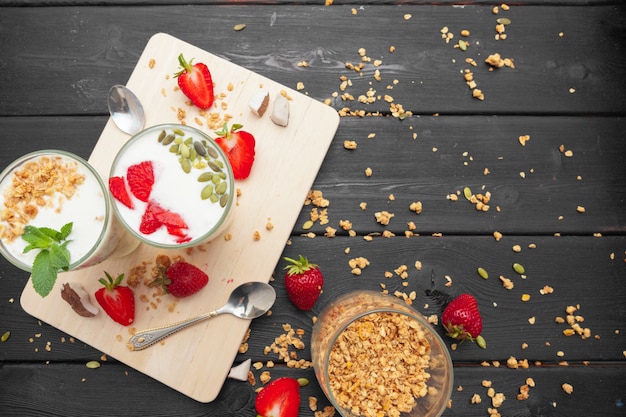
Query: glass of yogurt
<point x="49" y="189"/>
<point x="172" y="187"/>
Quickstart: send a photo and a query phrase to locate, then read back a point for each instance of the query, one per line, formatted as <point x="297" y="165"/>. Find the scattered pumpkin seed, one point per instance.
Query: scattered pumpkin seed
<point x="168" y="139"/>
<point x="206" y="192"/>
<point x="200" y="149"/>
<point x="518" y="268"/>
<point x="303" y="382"/>
<point x="239" y="27"/>
<point x="161" y="136"/>
<point x="462" y="45"/>
<point x="223" y="200"/>
<point x="481" y="342"/>
<point x="483" y="273"/>
<point x="467" y="192"/>
<point x="205" y="176"/>
<point x="503" y="21"/>
<point x="212" y="152"/>
<point x="307" y="224"/>
<point x="186" y="165"/>
<point x="221" y="188"/>
<point x="5" y="336"/>
<point x="93" y="364"/>
<point x="178" y="132"/>
<point x="215" y="167"/>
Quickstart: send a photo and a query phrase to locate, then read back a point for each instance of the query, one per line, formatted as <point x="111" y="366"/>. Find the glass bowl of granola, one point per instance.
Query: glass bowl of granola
<point x="375" y="356"/>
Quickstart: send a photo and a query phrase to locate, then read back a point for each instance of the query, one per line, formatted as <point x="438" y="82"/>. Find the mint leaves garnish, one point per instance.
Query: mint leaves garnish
<point x="52" y="258"/>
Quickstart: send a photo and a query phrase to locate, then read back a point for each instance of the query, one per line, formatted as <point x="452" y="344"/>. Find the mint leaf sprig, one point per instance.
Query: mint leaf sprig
<point x="53" y="255"/>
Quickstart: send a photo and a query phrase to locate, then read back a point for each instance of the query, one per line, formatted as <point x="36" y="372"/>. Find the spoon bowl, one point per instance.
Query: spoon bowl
<point x="248" y="301"/>
<point x="126" y="110"/>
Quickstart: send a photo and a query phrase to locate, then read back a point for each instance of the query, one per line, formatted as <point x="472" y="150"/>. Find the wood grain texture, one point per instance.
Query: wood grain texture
<point x="72" y="69"/>
<point x="565" y="90"/>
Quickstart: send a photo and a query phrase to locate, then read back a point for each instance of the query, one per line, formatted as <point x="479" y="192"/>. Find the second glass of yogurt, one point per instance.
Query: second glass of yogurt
<point x="172" y="187"/>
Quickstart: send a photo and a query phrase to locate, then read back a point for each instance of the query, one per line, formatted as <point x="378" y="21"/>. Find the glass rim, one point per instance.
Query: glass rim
<point x="107" y="203"/>
<point x="227" y="208"/>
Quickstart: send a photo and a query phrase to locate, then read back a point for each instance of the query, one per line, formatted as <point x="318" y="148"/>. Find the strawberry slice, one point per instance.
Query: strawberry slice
<point x="156" y="217"/>
<point x="196" y="83"/>
<point x="118" y="301"/>
<point x="140" y="179"/>
<point x="239" y="147"/>
<point x="280" y="398"/>
<point x="117" y="187"/>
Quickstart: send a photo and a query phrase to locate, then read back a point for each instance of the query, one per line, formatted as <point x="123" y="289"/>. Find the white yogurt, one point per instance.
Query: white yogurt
<point x="174" y="189"/>
<point x="93" y="237"/>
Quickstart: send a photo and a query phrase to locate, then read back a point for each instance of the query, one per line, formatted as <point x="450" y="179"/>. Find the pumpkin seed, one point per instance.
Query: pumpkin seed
<point x="223" y="200"/>
<point x="307" y="224"/>
<point x="168" y="139"/>
<point x="467" y="192"/>
<point x="238" y="27"/>
<point x="93" y="364"/>
<point x="215" y="167"/>
<point x="178" y="140"/>
<point x="462" y="45"/>
<point x="183" y="150"/>
<point x="5" y="336"/>
<point x="212" y="152"/>
<point x="199" y="147"/>
<point x="219" y="163"/>
<point x="518" y="268"/>
<point x="205" y="176"/>
<point x="186" y="165"/>
<point x="179" y="132"/>
<point x="216" y="179"/>
<point x="188" y="141"/>
<point x="206" y="192"/>
<point x="192" y="154"/>
<point x="222" y="175"/>
<point x="174" y="148"/>
<point x="483" y="273"/>
<point x="200" y="164"/>
<point x="503" y="21"/>
<point x="221" y="188"/>
<point x="161" y="136"/>
<point x="213" y="198"/>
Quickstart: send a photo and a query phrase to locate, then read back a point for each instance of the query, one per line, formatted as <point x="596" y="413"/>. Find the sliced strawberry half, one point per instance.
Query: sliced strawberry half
<point x="140" y="179"/>
<point x="117" y="187"/>
<point x="239" y="147"/>
<point x="156" y="217"/>
<point x="280" y="398"/>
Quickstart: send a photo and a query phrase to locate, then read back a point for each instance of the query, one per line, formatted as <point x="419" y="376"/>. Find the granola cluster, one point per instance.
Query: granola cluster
<point x="46" y="181"/>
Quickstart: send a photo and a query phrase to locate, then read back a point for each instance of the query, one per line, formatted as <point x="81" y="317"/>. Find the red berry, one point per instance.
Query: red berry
<point x="279" y="398"/>
<point x="238" y="145"/>
<point x="185" y="279"/>
<point x="117" y="187"/>
<point x="140" y="179"/>
<point x="462" y="320"/>
<point x="196" y="82"/>
<point x="304" y="282"/>
<point x="116" y="300"/>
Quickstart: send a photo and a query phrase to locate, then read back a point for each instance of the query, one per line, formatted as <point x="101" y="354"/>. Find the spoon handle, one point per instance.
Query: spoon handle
<point x="145" y="338"/>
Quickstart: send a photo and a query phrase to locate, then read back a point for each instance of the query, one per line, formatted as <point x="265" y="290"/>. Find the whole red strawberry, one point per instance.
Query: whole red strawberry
<point x="462" y="320"/>
<point x="182" y="279"/>
<point x="279" y="398"/>
<point x="196" y="83"/>
<point x="238" y="145"/>
<point x="304" y="282"/>
<point x="116" y="300"/>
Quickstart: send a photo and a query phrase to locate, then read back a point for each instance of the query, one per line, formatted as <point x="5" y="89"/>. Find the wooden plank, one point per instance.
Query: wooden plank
<point x="103" y="45"/>
<point x="73" y="390"/>
<point x="411" y="170"/>
<point x="570" y="265"/>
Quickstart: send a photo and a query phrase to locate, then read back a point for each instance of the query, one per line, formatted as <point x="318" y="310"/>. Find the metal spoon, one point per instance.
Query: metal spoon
<point x="247" y="301"/>
<point x="126" y="109"/>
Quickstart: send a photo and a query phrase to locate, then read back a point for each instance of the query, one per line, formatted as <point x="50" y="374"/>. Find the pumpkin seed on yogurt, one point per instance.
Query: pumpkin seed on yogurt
<point x="179" y="132"/>
<point x="168" y="139"/>
<point x="223" y="200"/>
<point x="221" y="188"/>
<point x="185" y="165"/>
<point x="206" y="192"/>
<point x="205" y="176"/>
<point x="212" y="152"/>
<point x="200" y="149"/>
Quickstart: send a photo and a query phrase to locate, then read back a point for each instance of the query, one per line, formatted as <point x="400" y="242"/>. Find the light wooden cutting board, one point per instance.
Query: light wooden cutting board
<point x="196" y="361"/>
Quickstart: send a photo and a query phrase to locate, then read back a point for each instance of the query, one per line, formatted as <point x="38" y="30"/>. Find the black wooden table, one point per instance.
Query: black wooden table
<point x="558" y="201"/>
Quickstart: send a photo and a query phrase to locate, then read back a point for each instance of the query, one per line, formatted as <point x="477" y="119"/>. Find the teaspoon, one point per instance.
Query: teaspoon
<point x="126" y="109"/>
<point x="248" y="301"/>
